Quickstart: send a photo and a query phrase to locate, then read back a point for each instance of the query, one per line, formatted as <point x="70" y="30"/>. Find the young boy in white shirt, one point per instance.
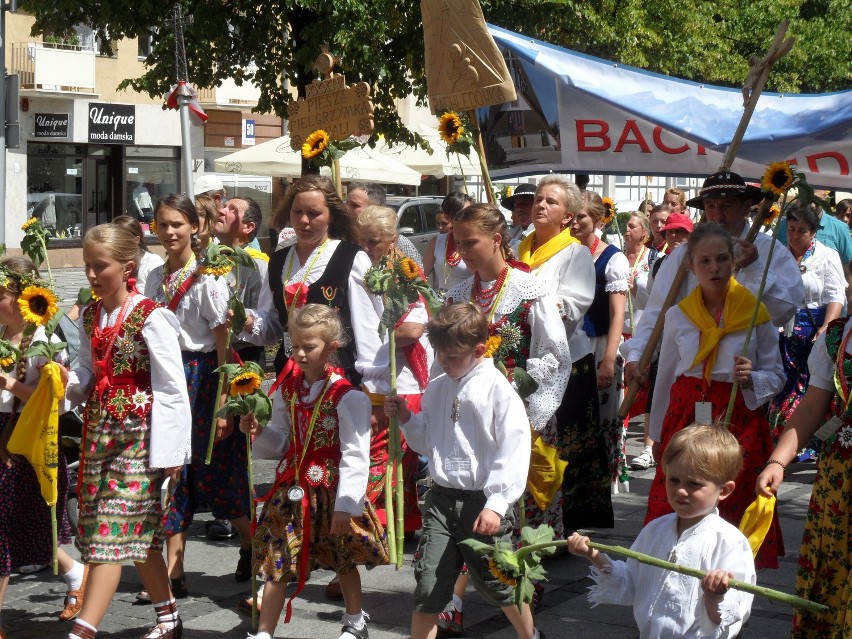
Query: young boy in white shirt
<point x="475" y="431"/>
<point x="700" y="463"/>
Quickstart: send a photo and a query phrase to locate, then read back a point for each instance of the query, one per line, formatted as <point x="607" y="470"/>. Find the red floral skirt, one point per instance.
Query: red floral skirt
<point x="752" y="432"/>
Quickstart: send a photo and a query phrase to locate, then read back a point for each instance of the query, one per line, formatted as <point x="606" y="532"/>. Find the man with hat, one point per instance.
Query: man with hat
<point x="726" y="199"/>
<point x="211" y="186"/>
<point x="520" y="204"/>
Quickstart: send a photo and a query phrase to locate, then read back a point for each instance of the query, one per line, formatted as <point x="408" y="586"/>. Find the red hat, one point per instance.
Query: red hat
<point x="678" y="221"/>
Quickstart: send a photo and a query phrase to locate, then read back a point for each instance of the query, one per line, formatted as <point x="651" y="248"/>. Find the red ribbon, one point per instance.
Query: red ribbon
<point x="182" y="289"/>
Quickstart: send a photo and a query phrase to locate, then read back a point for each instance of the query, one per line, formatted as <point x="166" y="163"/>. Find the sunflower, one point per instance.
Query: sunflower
<point x="777" y="178"/>
<point x="774" y="212"/>
<point x="245" y="383"/>
<point x="30" y="222"/>
<point x="152" y="226"/>
<point x="610" y="210"/>
<point x="450" y="127"/>
<point x="491" y="345"/>
<point x="37" y="304"/>
<point x="7" y="362"/>
<point x="502" y="576"/>
<point x="316" y="143"/>
<point x="216" y="270"/>
<point x="409" y="268"/>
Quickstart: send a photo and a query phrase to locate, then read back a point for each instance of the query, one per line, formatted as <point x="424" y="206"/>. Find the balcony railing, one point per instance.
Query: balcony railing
<point x="230" y="95"/>
<point x="53" y="67"/>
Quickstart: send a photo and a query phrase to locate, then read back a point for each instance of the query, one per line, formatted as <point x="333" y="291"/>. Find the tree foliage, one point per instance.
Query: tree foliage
<point x="274" y="43"/>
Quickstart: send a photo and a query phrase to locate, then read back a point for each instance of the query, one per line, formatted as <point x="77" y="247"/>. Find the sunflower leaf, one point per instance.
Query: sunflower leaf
<point x="230" y="370"/>
<point x="238" y="318"/>
<point x="53" y="322"/>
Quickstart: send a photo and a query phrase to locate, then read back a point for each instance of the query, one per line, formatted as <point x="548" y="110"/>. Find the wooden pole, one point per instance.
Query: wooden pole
<point x="480" y="151"/>
<point x="752" y="88"/>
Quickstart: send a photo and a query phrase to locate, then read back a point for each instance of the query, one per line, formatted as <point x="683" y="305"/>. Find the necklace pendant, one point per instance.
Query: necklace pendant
<point x="295" y="493"/>
<point x="454" y="410"/>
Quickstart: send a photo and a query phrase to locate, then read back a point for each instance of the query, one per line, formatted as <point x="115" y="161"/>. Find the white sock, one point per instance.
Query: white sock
<point x="357" y="621"/>
<point x="259" y="635"/>
<point x="74" y="577"/>
<point x="80" y="622"/>
<point x="458" y="604"/>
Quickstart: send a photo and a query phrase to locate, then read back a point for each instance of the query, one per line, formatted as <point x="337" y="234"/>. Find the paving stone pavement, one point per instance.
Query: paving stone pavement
<point x="32" y="601"/>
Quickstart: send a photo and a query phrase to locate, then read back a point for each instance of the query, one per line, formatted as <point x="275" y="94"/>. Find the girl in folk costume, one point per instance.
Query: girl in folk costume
<point x="137" y="424"/>
<point x="25" y="543"/>
<point x="699" y="361"/>
<point x="603" y="324"/>
<point x="200" y="303"/>
<point x="414" y="357"/>
<point x="316" y="513"/>
<point x="442" y="252"/>
<point x="520" y="312"/>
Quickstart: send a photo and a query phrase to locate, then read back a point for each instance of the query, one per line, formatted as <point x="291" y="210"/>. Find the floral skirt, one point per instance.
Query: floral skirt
<point x="25" y="528"/>
<point x="824" y="573"/>
<point x="279" y="537"/>
<point x="752" y="432"/>
<point x="586" y="488"/>
<point x="223" y="484"/>
<point x="120" y="513"/>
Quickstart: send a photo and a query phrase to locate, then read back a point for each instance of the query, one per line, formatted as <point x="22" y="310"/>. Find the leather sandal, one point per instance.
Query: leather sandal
<point x="243" y="571"/>
<point x="244" y="605"/>
<point x="74" y="599"/>
<point x="161" y="632"/>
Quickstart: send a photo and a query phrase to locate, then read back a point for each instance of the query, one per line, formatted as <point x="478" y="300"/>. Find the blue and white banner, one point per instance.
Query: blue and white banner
<point x="577" y="113"/>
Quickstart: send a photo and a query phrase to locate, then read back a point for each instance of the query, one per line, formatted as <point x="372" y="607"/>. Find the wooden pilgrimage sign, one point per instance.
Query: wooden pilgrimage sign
<point x="464" y="68"/>
<point x="330" y="104"/>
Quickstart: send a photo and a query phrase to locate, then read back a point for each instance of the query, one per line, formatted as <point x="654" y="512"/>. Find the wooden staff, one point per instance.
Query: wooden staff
<point x="480" y="151"/>
<point x="752" y="88"/>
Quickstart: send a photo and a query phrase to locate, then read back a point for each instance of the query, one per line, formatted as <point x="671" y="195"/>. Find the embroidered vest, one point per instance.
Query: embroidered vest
<point x="833" y="341"/>
<point x="331" y="289"/>
<point x="318" y="458"/>
<point x="128" y="386"/>
<point x="596" y="320"/>
<point x="514" y="332"/>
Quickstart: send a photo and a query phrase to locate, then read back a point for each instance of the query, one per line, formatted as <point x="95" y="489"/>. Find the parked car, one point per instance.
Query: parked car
<point x="416" y="217"/>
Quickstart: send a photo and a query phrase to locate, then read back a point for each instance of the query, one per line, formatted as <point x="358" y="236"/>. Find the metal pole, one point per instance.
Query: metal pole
<point x="186" y="143"/>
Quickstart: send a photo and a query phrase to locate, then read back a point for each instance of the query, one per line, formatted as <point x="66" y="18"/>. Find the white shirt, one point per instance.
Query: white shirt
<point x="487" y="447"/>
<point x="639" y="298"/>
<point x="171" y="418"/>
<point x="822" y="277"/>
<point x="353" y="421"/>
<point x="821" y="365"/>
<point x="668" y="605"/>
<point x="365" y="311"/>
<point x="680" y="345"/>
<point x="782" y="294"/>
<point x="570" y="276"/>
<point x="147" y="263"/>
<point x="549" y="361"/>
<point x="447" y="276"/>
<point x="203" y="308"/>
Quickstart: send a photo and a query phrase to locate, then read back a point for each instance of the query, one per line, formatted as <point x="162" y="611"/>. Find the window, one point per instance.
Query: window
<point x="410" y="218"/>
<point x="55" y="187"/>
<point x="145" y="44"/>
<point x="150" y="173"/>
<point x="430" y="210"/>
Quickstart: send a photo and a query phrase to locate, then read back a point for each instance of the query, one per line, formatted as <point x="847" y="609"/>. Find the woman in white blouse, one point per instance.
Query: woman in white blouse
<point x="825" y="294"/>
<point x="603" y="324"/>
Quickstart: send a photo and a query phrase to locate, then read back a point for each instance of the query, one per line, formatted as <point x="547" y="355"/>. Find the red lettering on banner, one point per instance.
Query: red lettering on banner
<point x="600" y="134"/>
<point x="701" y="150"/>
<point x="841" y="161"/>
<point x="631" y="127"/>
<point x="658" y="141"/>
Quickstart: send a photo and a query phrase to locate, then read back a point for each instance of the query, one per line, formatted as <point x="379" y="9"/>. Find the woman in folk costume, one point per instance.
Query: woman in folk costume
<point x="699" y="361"/>
<point x="317" y="513"/>
<point x="137" y="432"/>
<point x="565" y="268"/>
<point x="414" y="357"/>
<point x="200" y="302"/>
<point x="824" y="573"/>
<point x="441" y="253"/>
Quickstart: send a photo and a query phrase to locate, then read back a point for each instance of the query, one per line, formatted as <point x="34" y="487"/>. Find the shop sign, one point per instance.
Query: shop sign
<point x="112" y="123"/>
<point x="51" y="125"/>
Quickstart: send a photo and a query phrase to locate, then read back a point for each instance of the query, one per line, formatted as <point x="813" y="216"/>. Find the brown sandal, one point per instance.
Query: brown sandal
<point x="74" y="599"/>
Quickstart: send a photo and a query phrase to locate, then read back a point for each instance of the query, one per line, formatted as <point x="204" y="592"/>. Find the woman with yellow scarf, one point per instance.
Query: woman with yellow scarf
<point x="699" y="361"/>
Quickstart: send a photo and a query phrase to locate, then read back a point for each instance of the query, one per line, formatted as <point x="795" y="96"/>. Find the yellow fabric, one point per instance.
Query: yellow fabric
<point x="255" y="254"/>
<point x="376" y="399"/>
<point x="756" y="521"/>
<point x="36" y="435"/>
<point x="736" y="316"/>
<point x="546" y="472"/>
<point x="536" y="258"/>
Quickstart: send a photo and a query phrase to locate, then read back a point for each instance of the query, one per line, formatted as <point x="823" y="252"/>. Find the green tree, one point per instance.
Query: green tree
<point x="274" y="43"/>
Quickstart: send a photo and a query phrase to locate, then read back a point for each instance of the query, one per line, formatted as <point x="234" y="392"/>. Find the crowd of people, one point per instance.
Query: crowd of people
<point x="510" y="394"/>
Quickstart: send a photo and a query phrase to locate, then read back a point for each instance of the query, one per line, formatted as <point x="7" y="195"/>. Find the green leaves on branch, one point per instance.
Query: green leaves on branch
<point x="400" y="283"/>
<point x="244" y="395"/>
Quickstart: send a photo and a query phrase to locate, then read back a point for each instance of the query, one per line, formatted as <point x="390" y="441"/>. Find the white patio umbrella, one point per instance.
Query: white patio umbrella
<point x="437" y="164"/>
<point x="277" y="159"/>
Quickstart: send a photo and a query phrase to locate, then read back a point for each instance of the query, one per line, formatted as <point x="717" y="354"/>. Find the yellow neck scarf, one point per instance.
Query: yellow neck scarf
<point x="736" y="316"/>
<point x="536" y="258"/>
<point x="255" y="254"/>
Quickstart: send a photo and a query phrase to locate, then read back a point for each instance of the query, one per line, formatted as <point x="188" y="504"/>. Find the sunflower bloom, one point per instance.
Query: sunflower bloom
<point x="491" y="345"/>
<point x="777" y="178"/>
<point x="409" y="268"/>
<point x="37" y="304"/>
<point x="774" y="212"/>
<point x="216" y="270"/>
<point x="152" y="226"/>
<point x="29" y="223"/>
<point x="503" y="577"/>
<point x="316" y="143"/>
<point x="245" y="383"/>
<point x="450" y="127"/>
<point x="610" y="209"/>
<point x="7" y="362"/>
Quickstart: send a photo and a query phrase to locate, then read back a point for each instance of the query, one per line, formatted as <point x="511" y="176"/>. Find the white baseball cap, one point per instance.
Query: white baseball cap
<point x="206" y="183"/>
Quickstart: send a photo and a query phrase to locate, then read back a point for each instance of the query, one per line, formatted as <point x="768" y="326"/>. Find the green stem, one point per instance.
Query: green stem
<point x="394" y="467"/>
<point x="254" y="619"/>
<point x="46" y="259"/>
<point x="736" y="385"/>
<point x="55" y="537"/>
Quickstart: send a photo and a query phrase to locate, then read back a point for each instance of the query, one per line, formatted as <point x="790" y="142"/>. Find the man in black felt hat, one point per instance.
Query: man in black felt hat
<point x="725" y="198"/>
<point x="520" y="204"/>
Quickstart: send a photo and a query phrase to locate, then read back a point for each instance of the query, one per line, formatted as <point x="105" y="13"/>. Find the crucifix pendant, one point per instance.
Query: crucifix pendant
<point x="454" y="410"/>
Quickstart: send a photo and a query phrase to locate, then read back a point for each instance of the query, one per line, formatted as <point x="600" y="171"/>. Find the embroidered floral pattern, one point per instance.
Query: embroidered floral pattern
<point x="315" y="474"/>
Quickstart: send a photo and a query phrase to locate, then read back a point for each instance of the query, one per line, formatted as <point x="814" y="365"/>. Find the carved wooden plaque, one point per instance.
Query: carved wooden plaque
<point x="464" y="68"/>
